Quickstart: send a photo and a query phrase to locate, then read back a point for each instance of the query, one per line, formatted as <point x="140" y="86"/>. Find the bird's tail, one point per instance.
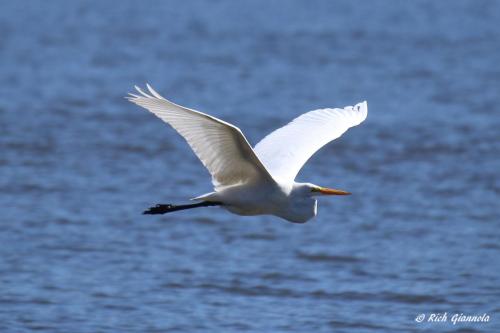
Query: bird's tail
<point x="167" y="208"/>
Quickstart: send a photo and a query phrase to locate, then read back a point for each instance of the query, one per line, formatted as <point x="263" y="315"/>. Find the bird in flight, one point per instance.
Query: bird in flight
<point x="259" y="180"/>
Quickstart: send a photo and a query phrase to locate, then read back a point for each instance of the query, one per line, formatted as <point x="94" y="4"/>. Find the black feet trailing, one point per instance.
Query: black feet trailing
<point x="167" y="208"/>
<point x="159" y="209"/>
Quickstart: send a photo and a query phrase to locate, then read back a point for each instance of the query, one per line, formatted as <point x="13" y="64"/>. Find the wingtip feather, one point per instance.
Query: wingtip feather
<point x="153" y="92"/>
<point x="142" y="92"/>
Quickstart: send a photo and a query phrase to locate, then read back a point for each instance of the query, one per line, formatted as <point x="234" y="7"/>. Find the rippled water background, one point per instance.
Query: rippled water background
<point x="78" y="164"/>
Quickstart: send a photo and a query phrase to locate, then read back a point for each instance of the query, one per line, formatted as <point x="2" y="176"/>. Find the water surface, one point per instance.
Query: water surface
<point x="79" y="163"/>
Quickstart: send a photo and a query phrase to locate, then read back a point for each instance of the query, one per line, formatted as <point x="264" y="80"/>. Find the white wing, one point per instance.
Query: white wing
<point x="287" y="149"/>
<point x="221" y="147"/>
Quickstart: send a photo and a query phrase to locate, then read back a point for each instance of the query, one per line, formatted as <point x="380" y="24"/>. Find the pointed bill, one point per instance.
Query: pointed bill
<point x="330" y="191"/>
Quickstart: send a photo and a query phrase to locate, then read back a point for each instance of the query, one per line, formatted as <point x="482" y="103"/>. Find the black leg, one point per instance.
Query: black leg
<point x="167" y="208"/>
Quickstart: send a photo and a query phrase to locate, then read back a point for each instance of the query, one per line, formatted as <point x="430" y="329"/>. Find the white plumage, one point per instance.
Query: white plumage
<point x="285" y="151"/>
<point x="261" y="180"/>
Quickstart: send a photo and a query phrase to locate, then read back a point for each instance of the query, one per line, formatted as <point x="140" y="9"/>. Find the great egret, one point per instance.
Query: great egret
<point x="260" y="180"/>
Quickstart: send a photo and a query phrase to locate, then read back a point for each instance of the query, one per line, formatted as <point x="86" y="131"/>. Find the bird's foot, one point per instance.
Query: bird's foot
<point x="159" y="209"/>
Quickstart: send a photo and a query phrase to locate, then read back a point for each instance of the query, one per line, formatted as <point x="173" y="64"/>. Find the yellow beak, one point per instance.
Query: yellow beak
<point x="330" y="191"/>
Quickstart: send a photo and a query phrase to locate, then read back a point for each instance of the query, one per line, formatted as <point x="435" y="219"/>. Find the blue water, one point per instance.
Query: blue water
<point x="78" y="165"/>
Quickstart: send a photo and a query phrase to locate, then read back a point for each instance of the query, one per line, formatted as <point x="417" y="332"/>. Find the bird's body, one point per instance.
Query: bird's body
<point x="285" y="201"/>
<point x="259" y="180"/>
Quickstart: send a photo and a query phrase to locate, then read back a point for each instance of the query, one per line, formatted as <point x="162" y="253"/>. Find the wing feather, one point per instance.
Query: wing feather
<point x="221" y="147"/>
<point x="287" y="149"/>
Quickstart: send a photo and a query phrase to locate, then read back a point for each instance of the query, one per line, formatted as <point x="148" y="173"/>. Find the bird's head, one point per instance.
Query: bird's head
<point x="311" y="190"/>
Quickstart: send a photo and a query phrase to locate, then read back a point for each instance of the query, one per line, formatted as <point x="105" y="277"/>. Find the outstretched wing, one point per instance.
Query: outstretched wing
<point x="221" y="147"/>
<point x="287" y="149"/>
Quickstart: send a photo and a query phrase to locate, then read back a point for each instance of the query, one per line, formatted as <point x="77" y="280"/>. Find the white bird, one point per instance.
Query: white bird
<point x="255" y="181"/>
